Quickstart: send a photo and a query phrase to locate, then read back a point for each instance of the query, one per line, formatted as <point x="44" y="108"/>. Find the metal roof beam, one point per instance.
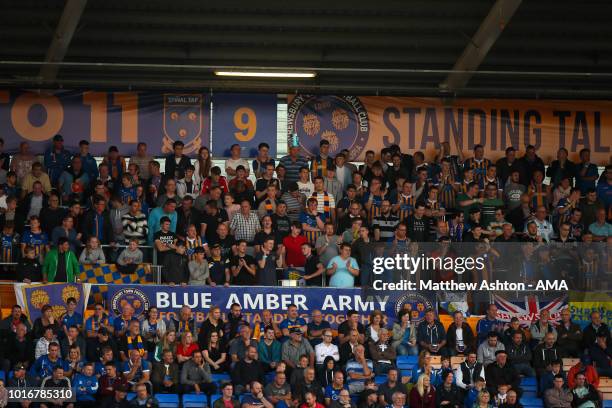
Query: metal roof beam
<point x="62" y="37"/>
<point x="477" y="49"/>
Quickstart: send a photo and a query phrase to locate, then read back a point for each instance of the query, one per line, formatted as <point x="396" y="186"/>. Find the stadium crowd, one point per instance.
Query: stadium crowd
<point x="320" y="214"/>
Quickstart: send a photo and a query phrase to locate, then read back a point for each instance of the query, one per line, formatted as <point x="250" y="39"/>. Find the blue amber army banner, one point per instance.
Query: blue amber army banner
<point x="32" y="297"/>
<point x="333" y="303"/>
<point x="420" y="124"/>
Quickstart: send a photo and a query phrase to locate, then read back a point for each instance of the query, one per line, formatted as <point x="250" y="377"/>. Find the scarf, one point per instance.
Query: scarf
<point x="406" y="206"/>
<point x="139" y="345"/>
<point x="319" y="166"/>
<point x="326" y="205"/>
<point x="538" y="193"/>
<point x="269" y="207"/>
<point x="183" y="327"/>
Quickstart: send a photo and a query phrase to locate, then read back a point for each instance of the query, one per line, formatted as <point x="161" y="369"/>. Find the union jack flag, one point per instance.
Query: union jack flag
<point x="528" y="311"/>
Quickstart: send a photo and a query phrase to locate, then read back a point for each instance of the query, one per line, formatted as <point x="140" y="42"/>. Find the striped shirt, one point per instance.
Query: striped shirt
<point x="386" y="225"/>
<point x="353" y="366"/>
<point x="293" y="167"/>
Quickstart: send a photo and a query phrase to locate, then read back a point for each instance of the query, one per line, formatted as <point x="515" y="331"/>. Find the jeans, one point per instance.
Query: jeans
<point x="405" y="349"/>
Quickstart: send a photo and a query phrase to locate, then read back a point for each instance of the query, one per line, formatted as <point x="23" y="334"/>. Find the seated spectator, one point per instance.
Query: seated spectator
<point x="448" y="394"/>
<point x="315" y="328"/>
<point x="21" y="378"/>
<point x="291" y="249"/>
<point x="583" y="393"/>
<point x="295" y="347"/>
<point x="67" y="230"/>
<point x="92" y="254"/>
<point x="196" y="376"/>
<point x="143" y="397"/>
<point x="459" y="336"/>
<point x="278" y="392"/>
<point x="404" y="335"/>
<point x="269" y="349"/>
<point x="376" y="321"/>
<point x="86" y="386"/>
<point x="199" y="273"/>
<point x="19" y="351"/>
<point x="558" y="396"/>
<point x="227" y="399"/>
<point x="468" y="372"/>
<point x="152" y="329"/>
<point x="309" y="385"/>
<point x="545" y="353"/>
<point x="186" y="348"/>
<point x="165" y="374"/>
<point x="601" y="353"/>
<point x="100" y="363"/>
<point x="358" y="370"/>
<point x="256" y="397"/>
<point x="325" y="373"/>
<point x="238" y="347"/>
<point x="597" y="326"/>
<point x="515" y="326"/>
<point x="500" y="372"/>
<point x="75" y="361"/>
<point x="430" y="334"/>
<point x="382" y="353"/>
<point x="347" y="349"/>
<point x="234" y="322"/>
<point x="132" y="340"/>
<point x="96" y="347"/>
<point x="56" y="380"/>
<point x="389" y="388"/>
<point x="423" y="393"/>
<point x="546" y="380"/>
<point x="297" y="372"/>
<point x="117" y="400"/>
<point x="42" y="345"/>
<point x="326" y="349"/>
<point x="569" y="335"/>
<point x="46" y="319"/>
<point x="213" y="323"/>
<point x="368" y="399"/>
<point x="137" y="371"/>
<point x="44" y="365"/>
<point x="344" y="401"/>
<point x="293" y="320"/>
<point x="215" y="353"/>
<point x="488" y="324"/>
<point x="471" y="396"/>
<point x="72" y="338"/>
<point x="71" y="317"/>
<point x="247" y="371"/>
<point x="585" y="368"/>
<point x="111" y="381"/>
<point x="168" y="342"/>
<point x="541" y="328"/>
<point x="519" y="355"/>
<point x="185" y="322"/>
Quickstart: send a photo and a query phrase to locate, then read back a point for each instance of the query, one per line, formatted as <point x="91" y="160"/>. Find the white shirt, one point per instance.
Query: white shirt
<point x="306" y="188"/>
<point x="233" y="164"/>
<point x="323" y="350"/>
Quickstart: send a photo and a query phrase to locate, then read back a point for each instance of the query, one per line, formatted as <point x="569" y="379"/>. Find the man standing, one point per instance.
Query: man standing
<point x="56" y="159"/>
<point x="176" y="162"/>
<point x="61" y="264"/>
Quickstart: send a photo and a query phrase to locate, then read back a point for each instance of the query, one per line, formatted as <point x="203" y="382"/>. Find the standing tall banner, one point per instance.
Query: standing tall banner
<point x="421" y="124"/>
<point x="104" y="119"/>
<point x="246" y="119"/>
<point x="333" y="303"/>
<point x="33" y="297"/>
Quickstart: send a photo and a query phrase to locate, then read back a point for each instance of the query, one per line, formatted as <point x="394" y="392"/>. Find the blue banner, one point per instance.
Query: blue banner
<point x="246" y="119"/>
<point x="333" y="303"/>
<point x="32" y="298"/>
<point x="104" y="119"/>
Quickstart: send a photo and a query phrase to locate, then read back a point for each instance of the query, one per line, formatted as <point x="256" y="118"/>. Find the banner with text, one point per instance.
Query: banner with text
<point x="421" y="124"/>
<point x="581" y="306"/>
<point x="334" y="303"/>
<point x="246" y="119"/>
<point x="32" y="298"/>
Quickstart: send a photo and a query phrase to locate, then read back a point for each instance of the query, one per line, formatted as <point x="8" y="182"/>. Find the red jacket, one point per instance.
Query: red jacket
<point x="426" y="401"/>
<point x="590" y="373"/>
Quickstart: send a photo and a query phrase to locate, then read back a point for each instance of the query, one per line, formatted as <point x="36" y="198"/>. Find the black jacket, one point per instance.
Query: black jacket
<point x="543" y="357"/>
<point x="111" y="402"/>
<point x="453" y="396"/>
<point x="593" y="395"/>
<point x="497" y="375"/>
<point x="569" y="339"/>
<point x="175" y="268"/>
<point x="519" y="354"/>
<point x="244" y="373"/>
<point x="18" y="221"/>
<point x="589" y="335"/>
<point x="468" y="337"/>
<point x="24" y="205"/>
<point x="176" y="170"/>
<point x="88" y="226"/>
<point x="29" y="269"/>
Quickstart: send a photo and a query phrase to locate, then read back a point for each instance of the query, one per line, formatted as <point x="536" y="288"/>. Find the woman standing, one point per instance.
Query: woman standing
<point x="343" y="268"/>
<point x="202" y="166"/>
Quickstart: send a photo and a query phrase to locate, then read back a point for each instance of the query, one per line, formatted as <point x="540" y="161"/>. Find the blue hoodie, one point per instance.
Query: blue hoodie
<point x="43" y="367"/>
<point x="85" y="388"/>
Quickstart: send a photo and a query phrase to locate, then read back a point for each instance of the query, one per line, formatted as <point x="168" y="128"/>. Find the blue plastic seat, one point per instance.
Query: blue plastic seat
<point x="218" y="378"/>
<point x="530" y="393"/>
<point x="607" y="404"/>
<point x="194" y="400"/>
<point x="130" y="396"/>
<point x="530" y="402"/>
<point x="529" y="381"/>
<point x="408" y="359"/>
<point x="167" y="400"/>
<point x="380" y="379"/>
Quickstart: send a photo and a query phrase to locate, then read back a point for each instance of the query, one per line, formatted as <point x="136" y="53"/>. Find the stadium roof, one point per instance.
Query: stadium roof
<point x="530" y="48"/>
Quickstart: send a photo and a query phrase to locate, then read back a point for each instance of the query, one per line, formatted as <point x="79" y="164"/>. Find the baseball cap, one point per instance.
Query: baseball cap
<point x="295" y="330"/>
<point x="19" y="366"/>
